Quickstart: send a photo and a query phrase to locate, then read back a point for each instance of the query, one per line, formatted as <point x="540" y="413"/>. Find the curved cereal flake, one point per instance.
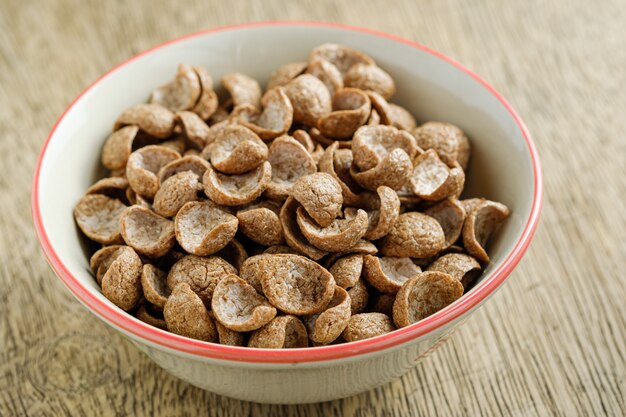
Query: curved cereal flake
<point x="113" y="187"/>
<point x="137" y="200"/>
<point x="175" y="192"/>
<point x="242" y="89"/>
<point x="327" y="73"/>
<point x="121" y="283"/>
<point x="250" y="271"/>
<point x="380" y="105"/>
<point x="290" y="161"/>
<point x="234" y="253"/>
<point x="363" y="247"/>
<point x="320" y="196"/>
<point x="393" y="171"/>
<point x="447" y="140"/>
<point x="154" y="284"/>
<point x="151" y="316"/>
<point x="144" y="164"/>
<point x="415" y="235"/>
<point x="337" y="162"/>
<point x="236" y="190"/>
<point x="359" y="296"/>
<point x="347" y="270"/>
<point x="147" y="232"/>
<point x="237" y="305"/>
<point x="317" y="154"/>
<point x="101" y="260"/>
<point x="276" y="117"/>
<point x="278" y="249"/>
<point x="401" y="118"/>
<point x="370" y="77"/>
<point x="189" y="163"/>
<point x="340" y="235"/>
<point x="480" y="225"/>
<point x="304" y="139"/>
<point x="327" y="326"/>
<point x="237" y="150"/>
<point x="178" y="144"/>
<point x="310" y="99"/>
<point x="228" y="337"/>
<point x="424" y="295"/>
<point x="342" y="56"/>
<point x="194" y="129"/>
<point x="186" y="315"/>
<point x="371" y="144"/>
<point x="450" y="214"/>
<point x="383" y="303"/>
<point x="207" y="103"/>
<point x="202" y="274"/>
<point x="153" y="119"/>
<point x="284" y="332"/>
<point x="471" y="204"/>
<point x="387" y="274"/>
<point x="458" y="265"/>
<point x="351" y="109"/>
<point x="295" y="284"/>
<point x="98" y="218"/>
<point x="203" y="229"/>
<point x="432" y="180"/>
<point x="291" y="230"/>
<point x="286" y="73"/>
<point x="118" y="147"/>
<point x="374" y="118"/>
<point x="261" y="224"/>
<point x="220" y="116"/>
<point x="382" y="215"/>
<point x="180" y="94"/>
<point x="365" y="325"/>
<point x="318" y="138"/>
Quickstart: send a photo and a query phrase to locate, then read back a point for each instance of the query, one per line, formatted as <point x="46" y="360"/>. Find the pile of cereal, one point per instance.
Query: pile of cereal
<point x="315" y="212"/>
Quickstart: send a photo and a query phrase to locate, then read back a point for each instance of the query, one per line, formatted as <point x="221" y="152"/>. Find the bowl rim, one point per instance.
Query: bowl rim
<point x="124" y="321"/>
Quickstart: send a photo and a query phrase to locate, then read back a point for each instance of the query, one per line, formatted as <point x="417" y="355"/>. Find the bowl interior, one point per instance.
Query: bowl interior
<point x="431" y="88"/>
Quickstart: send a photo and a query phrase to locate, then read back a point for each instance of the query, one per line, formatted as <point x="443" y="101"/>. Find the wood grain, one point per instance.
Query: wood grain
<point x="552" y="342"/>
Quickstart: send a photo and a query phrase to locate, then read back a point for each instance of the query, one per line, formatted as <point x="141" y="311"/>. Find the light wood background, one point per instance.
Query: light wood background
<point x="552" y="342"/>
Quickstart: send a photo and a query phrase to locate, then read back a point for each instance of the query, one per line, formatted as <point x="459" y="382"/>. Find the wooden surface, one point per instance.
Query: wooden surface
<point x="552" y="342"/>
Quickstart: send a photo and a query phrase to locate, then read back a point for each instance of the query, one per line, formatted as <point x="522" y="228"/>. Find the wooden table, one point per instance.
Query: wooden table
<point x="552" y="342"/>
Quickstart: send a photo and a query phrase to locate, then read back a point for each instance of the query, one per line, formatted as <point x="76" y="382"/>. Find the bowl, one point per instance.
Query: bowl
<point x="504" y="167"/>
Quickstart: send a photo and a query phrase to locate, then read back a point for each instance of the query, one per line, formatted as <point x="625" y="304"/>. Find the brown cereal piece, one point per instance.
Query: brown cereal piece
<point x="101" y="260"/>
<point x="393" y="171"/>
<point x="234" y="253"/>
<point x="236" y="190"/>
<point x="113" y="187"/>
<point x="351" y="109"/>
<point x="363" y="247"/>
<point x="203" y="229"/>
<point x="154" y="284"/>
<point x="118" y="172"/>
<point x="207" y="103"/>
<point x="371" y="144"/>
<point x="381" y="106"/>
<point x="374" y="119"/>
<point x="370" y="77"/>
<point x="180" y="94"/>
<point x="317" y="154"/>
<point x="261" y="224"/>
<point x="432" y="180"/>
<point x="242" y="89"/>
<point x="175" y="192"/>
<point x="237" y="150"/>
<point x="320" y="195"/>
<point x="305" y="140"/>
<point x="447" y="140"/>
<point x="295" y="284"/>
<point x="137" y="200"/>
<point x="147" y="232"/>
<point x="365" y="325"/>
<point x="450" y="214"/>
<point x="415" y="235"/>
<point x="118" y="147"/>
<point x="387" y="274"/>
<point x="98" y="217"/>
<point x="284" y="332"/>
<point x="237" y="305"/>
<point x="458" y="265"/>
<point x="153" y="119"/>
<point x="189" y="163"/>
<point x="424" y="295"/>
<point x="194" y="129"/>
<point x="151" y="316"/>
<point x="274" y="120"/>
<point x="401" y="118"/>
<point x="309" y="97"/>
<point x="471" y="204"/>
<point x="342" y="56"/>
<point x="290" y="161"/>
<point x="291" y="230"/>
<point x="382" y="215"/>
<point x="225" y="336"/>
<point x="186" y="315"/>
<point x="480" y="225"/>
<point x="220" y="116"/>
<point x="144" y="164"/>
<point x="347" y="270"/>
<point x="191" y="152"/>
<point x="121" y="283"/>
<point x="250" y="270"/>
<point x="286" y="73"/>
<point x="340" y="235"/>
<point x="337" y="162"/>
<point x="325" y="327"/>
<point x="383" y="303"/>
<point x="201" y="274"/>
<point x="178" y="144"/>
<point x="359" y="296"/>
<point x="327" y="73"/>
<point x="278" y="249"/>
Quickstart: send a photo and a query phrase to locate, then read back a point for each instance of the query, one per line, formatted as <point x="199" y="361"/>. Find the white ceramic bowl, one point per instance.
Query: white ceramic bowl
<point x="504" y="167"/>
